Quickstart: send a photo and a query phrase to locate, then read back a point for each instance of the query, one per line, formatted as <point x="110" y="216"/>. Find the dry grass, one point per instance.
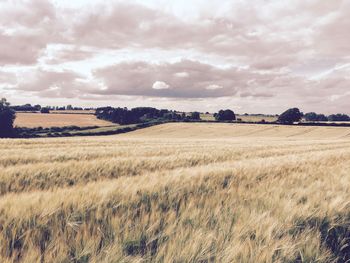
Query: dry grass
<point x="31" y="120"/>
<point x="177" y="193"/>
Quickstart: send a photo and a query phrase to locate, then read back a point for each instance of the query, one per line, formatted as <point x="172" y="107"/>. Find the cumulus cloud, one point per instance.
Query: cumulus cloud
<point x="26" y="13"/>
<point x="133" y="25"/>
<point x="161" y="80"/>
<point x="26" y="27"/>
<point x="64" y="54"/>
<point x="44" y="83"/>
<point x="160" y="85"/>
<point x="249" y="50"/>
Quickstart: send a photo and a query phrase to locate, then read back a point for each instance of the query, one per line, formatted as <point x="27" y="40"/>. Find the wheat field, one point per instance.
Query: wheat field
<point x="178" y="193"/>
<point x="33" y="120"/>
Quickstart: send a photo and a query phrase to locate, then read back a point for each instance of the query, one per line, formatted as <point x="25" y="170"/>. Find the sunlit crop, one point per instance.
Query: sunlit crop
<point x="178" y="193"/>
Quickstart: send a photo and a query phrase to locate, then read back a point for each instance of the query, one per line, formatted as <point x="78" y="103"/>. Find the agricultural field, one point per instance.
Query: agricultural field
<point x="32" y="120"/>
<point x="256" y="118"/>
<point x="73" y="111"/>
<point x="179" y="192"/>
<point x="246" y="118"/>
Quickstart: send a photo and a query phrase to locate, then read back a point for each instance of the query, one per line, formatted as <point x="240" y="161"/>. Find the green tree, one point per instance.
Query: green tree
<point x="338" y="117"/>
<point x="312" y="116"/>
<point x="7" y="117"/>
<point x="225" y="115"/>
<point x="290" y="116"/>
<point x="195" y="115"/>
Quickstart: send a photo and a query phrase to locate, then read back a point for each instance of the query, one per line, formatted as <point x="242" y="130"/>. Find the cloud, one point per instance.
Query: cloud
<point x="160" y="85"/>
<point x="28" y="14"/>
<point x="7" y="78"/>
<point x="181" y="74"/>
<point x="255" y="51"/>
<point x="214" y="87"/>
<point x="25" y="29"/>
<point x="20" y="49"/>
<point x="44" y="83"/>
<point x="124" y="25"/>
<point x="161" y="80"/>
<point x="64" y="54"/>
<point x="265" y="35"/>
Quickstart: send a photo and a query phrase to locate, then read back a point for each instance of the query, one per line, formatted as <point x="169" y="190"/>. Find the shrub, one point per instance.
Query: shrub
<point x="45" y="110"/>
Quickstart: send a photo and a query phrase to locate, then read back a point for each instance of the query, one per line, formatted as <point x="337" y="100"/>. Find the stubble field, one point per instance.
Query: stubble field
<point x="33" y="120"/>
<point x="178" y="193"/>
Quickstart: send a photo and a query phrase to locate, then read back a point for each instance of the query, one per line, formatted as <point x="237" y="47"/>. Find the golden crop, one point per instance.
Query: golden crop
<point x="178" y="193"/>
<point x="57" y="119"/>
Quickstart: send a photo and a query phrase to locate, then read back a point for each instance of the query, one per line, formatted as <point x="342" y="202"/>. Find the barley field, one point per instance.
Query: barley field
<point x="178" y="193"/>
<point x="33" y="120"/>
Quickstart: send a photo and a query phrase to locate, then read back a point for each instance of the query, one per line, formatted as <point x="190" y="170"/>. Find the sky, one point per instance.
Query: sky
<point x="256" y="56"/>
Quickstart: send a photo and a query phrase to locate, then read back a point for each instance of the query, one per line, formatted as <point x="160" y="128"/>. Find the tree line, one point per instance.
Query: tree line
<point x="295" y="115"/>
<point x="38" y="108"/>
<point x="125" y="116"/>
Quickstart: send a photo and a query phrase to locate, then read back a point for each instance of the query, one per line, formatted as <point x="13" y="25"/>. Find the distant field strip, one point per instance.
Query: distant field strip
<point x="178" y="193"/>
<point x="33" y="120"/>
<point x="233" y="130"/>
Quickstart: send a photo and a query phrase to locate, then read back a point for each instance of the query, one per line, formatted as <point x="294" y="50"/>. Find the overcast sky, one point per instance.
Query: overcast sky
<point x="256" y="56"/>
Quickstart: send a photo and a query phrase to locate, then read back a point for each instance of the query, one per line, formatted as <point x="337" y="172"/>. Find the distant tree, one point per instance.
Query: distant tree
<point x="25" y="107"/>
<point x="171" y="116"/>
<point x="322" y="117"/>
<point x="195" y="115"/>
<point x="124" y="116"/>
<point x="225" y="115"/>
<point x="312" y="116"/>
<point x="290" y="116"/>
<point x="45" y="110"/>
<point x="37" y="107"/>
<point x="69" y="107"/>
<point x="7" y="117"/>
<point x="338" y="117"/>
